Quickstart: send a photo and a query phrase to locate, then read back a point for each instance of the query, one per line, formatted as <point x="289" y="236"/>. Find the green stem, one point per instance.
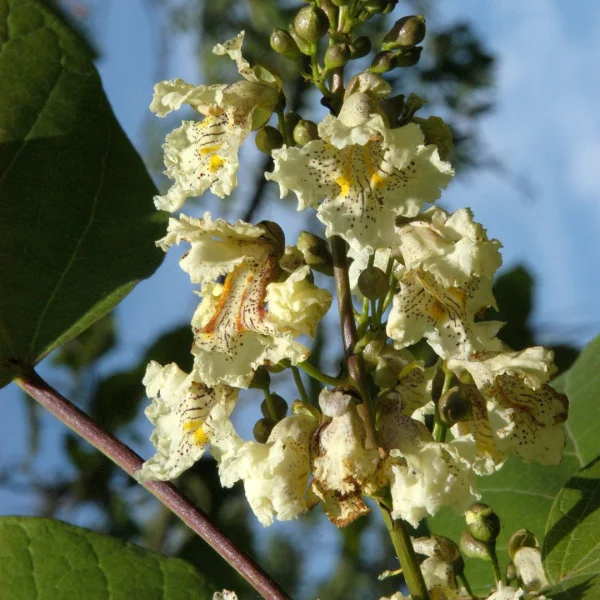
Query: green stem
<point x="356" y="368"/>
<point x="283" y="129"/>
<point x="300" y="385"/>
<point x="316" y="71"/>
<point x="439" y="429"/>
<point x="495" y="563"/>
<point x="317" y="374"/>
<point x="463" y="579"/>
<point x="269" y="400"/>
<point x="406" y="556"/>
<point x="167" y="493"/>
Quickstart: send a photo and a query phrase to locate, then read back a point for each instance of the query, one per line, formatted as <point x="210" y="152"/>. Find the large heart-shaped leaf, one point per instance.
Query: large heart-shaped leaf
<point x="572" y="543"/>
<point x="523" y="494"/>
<point x="77" y="223"/>
<point x="46" y="559"/>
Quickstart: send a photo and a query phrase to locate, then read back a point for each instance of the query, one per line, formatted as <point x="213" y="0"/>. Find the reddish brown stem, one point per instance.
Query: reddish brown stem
<point x="168" y="494"/>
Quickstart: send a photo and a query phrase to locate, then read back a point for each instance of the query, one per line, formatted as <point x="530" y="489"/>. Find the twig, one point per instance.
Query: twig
<point x="167" y="493"/>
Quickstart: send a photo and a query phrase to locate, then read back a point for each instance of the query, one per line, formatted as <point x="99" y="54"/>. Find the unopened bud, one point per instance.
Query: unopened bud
<point x="520" y="539"/>
<point x="292" y="259"/>
<point x="437" y="385"/>
<point x="408" y="57"/>
<point x="337" y="56"/>
<point x="437" y="132"/>
<point x="262" y="430"/>
<point x="302" y="44"/>
<point x="261" y="379"/>
<point x="331" y="10"/>
<point x="482" y="522"/>
<point x="373" y="283"/>
<point x="311" y="23"/>
<point x="383" y="62"/>
<point x="472" y="547"/>
<point x="511" y="572"/>
<point x="454" y="406"/>
<point x="316" y="252"/>
<point x="283" y="43"/>
<point x="359" y="47"/>
<point x="406" y="33"/>
<point x="275" y="231"/>
<point x="280" y="407"/>
<point x="389" y="7"/>
<point x="268" y="139"/>
<point x="305" y="131"/>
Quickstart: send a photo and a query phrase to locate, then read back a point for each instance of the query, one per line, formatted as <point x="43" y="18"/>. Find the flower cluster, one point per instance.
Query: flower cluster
<point x="420" y="275"/>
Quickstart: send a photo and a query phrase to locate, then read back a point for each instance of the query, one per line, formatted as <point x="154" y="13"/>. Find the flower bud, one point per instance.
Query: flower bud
<point x="406" y="32"/>
<point x="261" y="379"/>
<point x="302" y="44"/>
<point x="359" y="47"/>
<point x="268" y="139"/>
<point x="283" y="43"/>
<point x="383" y="62"/>
<point x="389" y="7"/>
<point x="483" y="523"/>
<point x="472" y="547"/>
<point x="311" y="23"/>
<point x="305" y="131"/>
<point x="511" y="572"/>
<point x="275" y="231"/>
<point x="292" y="259"/>
<point x="374" y="6"/>
<point x="454" y="406"/>
<point x="408" y="57"/>
<point x="316" y="252"/>
<point x="280" y="407"/>
<point x="520" y="539"/>
<point x="373" y="283"/>
<point x="437" y="384"/>
<point x="262" y="430"/>
<point x="436" y="132"/>
<point x="331" y="10"/>
<point x="337" y="56"/>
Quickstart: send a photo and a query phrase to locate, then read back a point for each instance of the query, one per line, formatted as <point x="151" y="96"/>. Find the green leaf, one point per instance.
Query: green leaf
<point x="572" y="544"/>
<point x="523" y="494"/>
<point x="77" y="223"/>
<point x="46" y="559"/>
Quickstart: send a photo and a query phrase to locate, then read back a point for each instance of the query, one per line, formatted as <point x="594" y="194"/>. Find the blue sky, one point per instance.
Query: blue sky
<point x="546" y="128"/>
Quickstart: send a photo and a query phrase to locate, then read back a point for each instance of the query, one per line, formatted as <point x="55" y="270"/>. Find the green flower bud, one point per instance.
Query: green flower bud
<point x="292" y="259"/>
<point x="511" y="572"/>
<point x="283" y="43"/>
<point x="520" y="539"/>
<point x="280" y="406"/>
<point x="311" y="23"/>
<point x="383" y="62"/>
<point x="454" y="406"/>
<point x="408" y="57"/>
<point x="261" y="379"/>
<point x="268" y="139"/>
<point x="406" y="33"/>
<point x="373" y="283"/>
<point x="305" y="131"/>
<point x="302" y="44"/>
<point x="483" y="523"/>
<point x="316" y="252"/>
<point x="274" y="231"/>
<point x="389" y="7"/>
<point x="437" y="385"/>
<point x="359" y="47"/>
<point x="436" y="132"/>
<point x="337" y="56"/>
<point x="472" y="547"/>
<point x="262" y="430"/>
<point x="331" y="10"/>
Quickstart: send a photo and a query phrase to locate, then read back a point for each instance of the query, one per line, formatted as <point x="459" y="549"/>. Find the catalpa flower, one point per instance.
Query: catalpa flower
<point x="341" y="462"/>
<point x="180" y="407"/>
<point x="203" y="154"/>
<point x="234" y="332"/>
<point x="275" y="474"/>
<point x="454" y="248"/>
<point x="365" y="172"/>
<point x="445" y="316"/>
<point x="523" y="414"/>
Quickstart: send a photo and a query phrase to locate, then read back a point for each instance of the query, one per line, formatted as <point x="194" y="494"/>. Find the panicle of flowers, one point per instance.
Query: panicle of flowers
<point x="429" y="397"/>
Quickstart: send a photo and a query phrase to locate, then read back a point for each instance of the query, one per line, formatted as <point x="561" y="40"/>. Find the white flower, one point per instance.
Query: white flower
<point x="445" y="316"/>
<point x="275" y="474"/>
<point x="225" y="595"/>
<point x="203" y="154"/>
<point x="234" y="333"/>
<point x="452" y="247"/>
<point x="506" y="592"/>
<point x="341" y="463"/>
<point x="423" y="474"/>
<point x="296" y="304"/>
<point x="528" y="563"/>
<point x="365" y="173"/>
<point x="180" y="407"/>
<point x="522" y="413"/>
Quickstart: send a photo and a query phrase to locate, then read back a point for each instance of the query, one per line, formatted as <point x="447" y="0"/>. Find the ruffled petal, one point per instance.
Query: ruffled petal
<point x="180" y="407"/>
<point x="172" y="95"/>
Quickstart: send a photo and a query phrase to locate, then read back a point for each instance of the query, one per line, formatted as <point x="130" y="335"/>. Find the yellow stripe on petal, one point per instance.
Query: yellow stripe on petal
<point x="210" y="149"/>
<point x="200" y="437"/>
<point x="215" y="163"/>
